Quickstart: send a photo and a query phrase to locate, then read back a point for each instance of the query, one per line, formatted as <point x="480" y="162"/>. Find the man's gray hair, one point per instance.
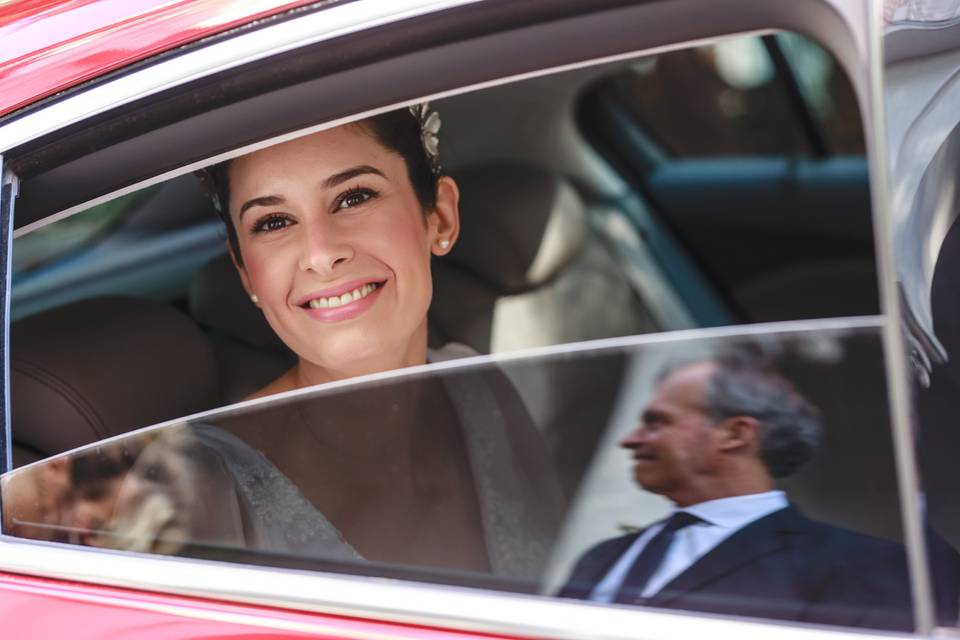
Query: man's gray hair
<point x="789" y="430"/>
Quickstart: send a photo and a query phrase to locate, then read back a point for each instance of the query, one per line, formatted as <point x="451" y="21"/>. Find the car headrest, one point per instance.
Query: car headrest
<point x="519" y="225"/>
<point x="104" y="366"/>
<point x="219" y="302"/>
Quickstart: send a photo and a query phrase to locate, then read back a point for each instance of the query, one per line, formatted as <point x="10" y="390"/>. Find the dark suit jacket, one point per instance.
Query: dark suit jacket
<point x="783" y="566"/>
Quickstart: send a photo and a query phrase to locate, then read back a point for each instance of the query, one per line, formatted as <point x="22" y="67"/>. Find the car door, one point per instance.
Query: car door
<point x="578" y="374"/>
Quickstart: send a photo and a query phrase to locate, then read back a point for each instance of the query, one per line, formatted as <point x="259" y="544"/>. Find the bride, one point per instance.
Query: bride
<point x="332" y="235"/>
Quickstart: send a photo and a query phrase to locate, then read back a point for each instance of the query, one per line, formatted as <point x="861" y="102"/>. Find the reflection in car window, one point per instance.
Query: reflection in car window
<point x="745" y="106"/>
<point x="723" y="436"/>
<point x="479" y="501"/>
<point x="59" y="239"/>
<point x="826" y="91"/>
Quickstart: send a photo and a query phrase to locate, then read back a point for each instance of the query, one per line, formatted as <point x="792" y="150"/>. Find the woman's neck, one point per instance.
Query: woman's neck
<point x="306" y="373"/>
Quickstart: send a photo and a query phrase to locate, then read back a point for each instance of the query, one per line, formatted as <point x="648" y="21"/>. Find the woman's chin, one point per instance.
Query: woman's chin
<point x="362" y="360"/>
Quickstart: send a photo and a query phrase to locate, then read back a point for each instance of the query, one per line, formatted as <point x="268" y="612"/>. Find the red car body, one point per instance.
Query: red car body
<point x="52" y="45"/>
<point x="39" y="608"/>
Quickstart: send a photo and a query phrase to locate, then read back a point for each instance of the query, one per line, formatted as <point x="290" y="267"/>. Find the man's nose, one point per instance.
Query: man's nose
<point x="325" y="247"/>
<point x="635" y="438"/>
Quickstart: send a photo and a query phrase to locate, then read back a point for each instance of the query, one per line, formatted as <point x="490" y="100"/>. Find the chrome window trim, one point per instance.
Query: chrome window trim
<point x="326" y="24"/>
<point x="895" y="354"/>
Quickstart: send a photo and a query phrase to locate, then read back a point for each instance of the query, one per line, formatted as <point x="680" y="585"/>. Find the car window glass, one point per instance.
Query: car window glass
<point x="56" y="241"/>
<point x="505" y="474"/>
<point x="826" y="91"/>
<point x="745" y="106"/>
<point x="741" y="107"/>
<point x="761" y="180"/>
<point x="146" y="244"/>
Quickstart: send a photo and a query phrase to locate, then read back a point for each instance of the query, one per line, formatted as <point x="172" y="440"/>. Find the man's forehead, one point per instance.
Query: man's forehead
<point x="689" y="374"/>
<point x="686" y="384"/>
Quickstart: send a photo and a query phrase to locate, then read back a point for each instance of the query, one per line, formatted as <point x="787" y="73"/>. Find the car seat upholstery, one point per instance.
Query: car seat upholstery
<point x="101" y="367"/>
<point x="249" y="355"/>
<point x="528" y="271"/>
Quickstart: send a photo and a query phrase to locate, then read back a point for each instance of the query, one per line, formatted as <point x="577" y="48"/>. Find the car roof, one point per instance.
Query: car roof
<point x="52" y="45"/>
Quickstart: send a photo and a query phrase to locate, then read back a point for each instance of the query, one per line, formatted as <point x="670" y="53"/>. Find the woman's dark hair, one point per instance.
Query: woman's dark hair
<point x="398" y="131"/>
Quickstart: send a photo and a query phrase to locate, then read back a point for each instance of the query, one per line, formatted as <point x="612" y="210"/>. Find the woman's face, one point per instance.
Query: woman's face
<point x="337" y="248"/>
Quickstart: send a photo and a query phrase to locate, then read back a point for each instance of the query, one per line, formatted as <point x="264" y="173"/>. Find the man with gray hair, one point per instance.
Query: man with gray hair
<point x="713" y="439"/>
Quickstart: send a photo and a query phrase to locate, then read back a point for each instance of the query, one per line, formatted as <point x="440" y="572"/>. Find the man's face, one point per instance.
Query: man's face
<point x="675" y="446"/>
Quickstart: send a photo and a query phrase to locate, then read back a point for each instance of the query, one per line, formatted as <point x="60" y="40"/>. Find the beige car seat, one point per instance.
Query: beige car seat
<point x="529" y="271"/>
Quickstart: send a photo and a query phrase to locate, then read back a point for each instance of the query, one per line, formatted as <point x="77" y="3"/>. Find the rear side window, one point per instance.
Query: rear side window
<point x="755" y="96"/>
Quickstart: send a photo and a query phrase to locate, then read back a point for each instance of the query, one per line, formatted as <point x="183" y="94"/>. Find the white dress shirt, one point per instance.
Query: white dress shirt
<point x="720" y="519"/>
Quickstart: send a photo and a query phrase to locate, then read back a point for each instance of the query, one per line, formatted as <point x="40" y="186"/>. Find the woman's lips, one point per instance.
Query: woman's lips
<point x="347" y="305"/>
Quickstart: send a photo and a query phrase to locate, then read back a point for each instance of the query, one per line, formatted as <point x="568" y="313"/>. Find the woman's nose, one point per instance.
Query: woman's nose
<point x="324" y="247"/>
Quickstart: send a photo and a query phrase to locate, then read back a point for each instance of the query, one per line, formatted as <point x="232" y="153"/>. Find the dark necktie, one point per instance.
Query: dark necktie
<point x="651" y="558"/>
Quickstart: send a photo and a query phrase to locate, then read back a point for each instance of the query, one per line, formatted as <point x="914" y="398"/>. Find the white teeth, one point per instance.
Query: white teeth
<point x="336" y="301"/>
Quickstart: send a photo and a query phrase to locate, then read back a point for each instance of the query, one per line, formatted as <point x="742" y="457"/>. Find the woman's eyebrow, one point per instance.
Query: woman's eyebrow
<point x="328" y="183"/>
<point x="262" y="201"/>
<point x="352" y="172"/>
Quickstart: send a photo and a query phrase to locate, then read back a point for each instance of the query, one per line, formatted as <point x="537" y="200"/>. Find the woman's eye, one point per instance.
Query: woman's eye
<point x="354" y="198"/>
<point x="271" y="223"/>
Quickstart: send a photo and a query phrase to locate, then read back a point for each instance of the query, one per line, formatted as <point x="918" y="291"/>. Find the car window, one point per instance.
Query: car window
<point x="56" y="242"/>
<point x="747" y="104"/>
<point x="826" y="91"/>
<point x="466" y="487"/>
<point x="762" y="180"/>
<point x="160" y="406"/>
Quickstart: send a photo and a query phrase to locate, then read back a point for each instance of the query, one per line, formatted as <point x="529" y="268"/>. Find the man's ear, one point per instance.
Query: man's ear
<point x="443" y="223"/>
<point x="244" y="278"/>
<point x="739" y="432"/>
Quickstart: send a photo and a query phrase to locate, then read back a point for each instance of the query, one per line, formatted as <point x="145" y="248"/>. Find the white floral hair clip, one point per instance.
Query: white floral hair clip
<point x="429" y="133"/>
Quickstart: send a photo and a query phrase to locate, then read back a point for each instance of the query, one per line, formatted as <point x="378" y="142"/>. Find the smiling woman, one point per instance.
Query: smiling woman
<point x="332" y="235"/>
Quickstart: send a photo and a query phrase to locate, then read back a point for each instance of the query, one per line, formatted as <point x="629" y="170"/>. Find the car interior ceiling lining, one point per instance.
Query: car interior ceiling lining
<point x="65" y="171"/>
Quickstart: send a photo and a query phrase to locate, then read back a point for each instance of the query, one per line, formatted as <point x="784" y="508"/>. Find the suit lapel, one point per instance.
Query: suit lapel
<point x="762" y="537"/>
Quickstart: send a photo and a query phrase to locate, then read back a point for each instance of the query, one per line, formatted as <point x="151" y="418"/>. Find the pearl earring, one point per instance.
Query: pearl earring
<point x="444" y="243"/>
<point x="254" y="299"/>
